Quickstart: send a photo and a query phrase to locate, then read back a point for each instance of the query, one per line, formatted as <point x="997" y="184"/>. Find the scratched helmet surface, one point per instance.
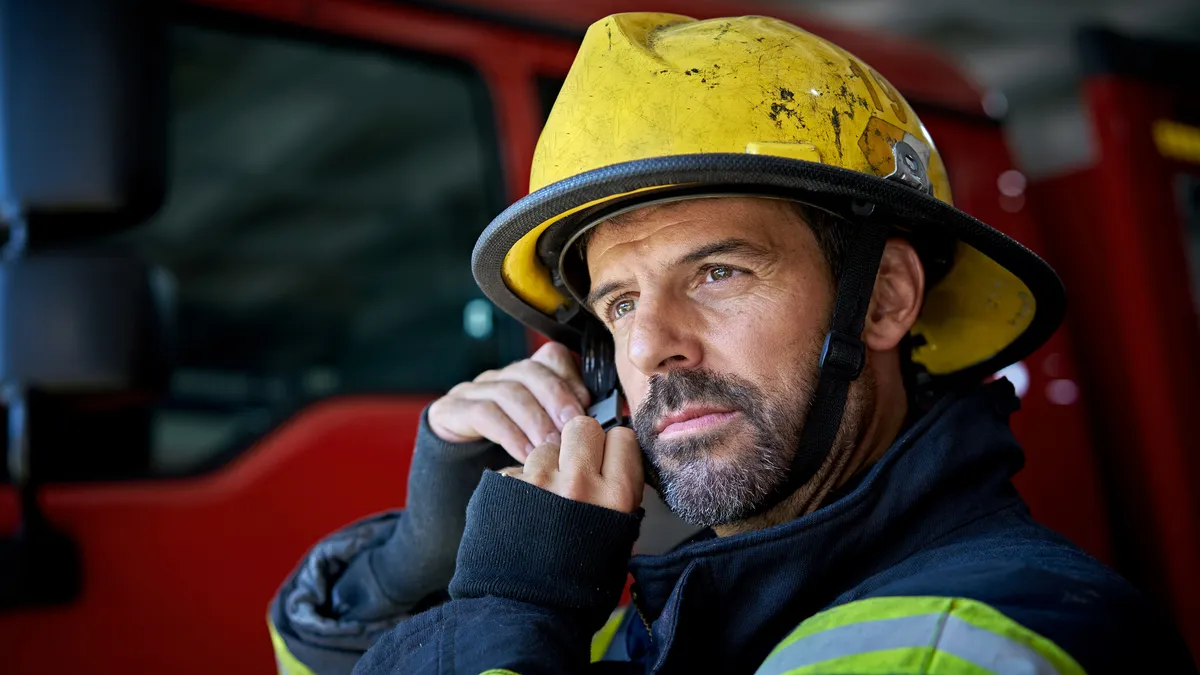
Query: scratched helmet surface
<point x="661" y="107"/>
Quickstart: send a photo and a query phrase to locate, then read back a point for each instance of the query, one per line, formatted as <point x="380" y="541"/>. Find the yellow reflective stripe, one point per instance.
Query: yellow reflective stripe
<point x="284" y="661"/>
<point x="604" y="637"/>
<point x="870" y="609"/>
<point x="990" y="619"/>
<point x="949" y="630"/>
<point x="499" y="671"/>
<point x="902" y="661"/>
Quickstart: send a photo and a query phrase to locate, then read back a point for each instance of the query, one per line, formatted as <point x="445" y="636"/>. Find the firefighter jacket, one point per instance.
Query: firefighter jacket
<point x="927" y="562"/>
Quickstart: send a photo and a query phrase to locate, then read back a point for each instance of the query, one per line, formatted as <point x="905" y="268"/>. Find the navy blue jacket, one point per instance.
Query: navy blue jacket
<point x="937" y="515"/>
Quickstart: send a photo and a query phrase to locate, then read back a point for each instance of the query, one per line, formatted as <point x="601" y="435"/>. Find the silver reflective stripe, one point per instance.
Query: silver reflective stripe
<point x="948" y="634"/>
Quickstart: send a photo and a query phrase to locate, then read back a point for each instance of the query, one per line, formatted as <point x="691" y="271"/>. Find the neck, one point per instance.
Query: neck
<point x="856" y="447"/>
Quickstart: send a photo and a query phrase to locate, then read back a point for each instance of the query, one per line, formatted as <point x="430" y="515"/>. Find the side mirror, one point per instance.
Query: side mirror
<point x="83" y="95"/>
<point x="82" y="152"/>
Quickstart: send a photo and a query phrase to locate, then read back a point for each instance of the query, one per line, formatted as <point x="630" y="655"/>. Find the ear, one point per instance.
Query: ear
<point x="897" y="298"/>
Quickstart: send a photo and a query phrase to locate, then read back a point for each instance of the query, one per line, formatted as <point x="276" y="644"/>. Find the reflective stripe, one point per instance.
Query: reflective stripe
<point x="284" y="661"/>
<point x="604" y="637"/>
<point x="498" y="671"/>
<point x="903" y="635"/>
<point x="975" y="645"/>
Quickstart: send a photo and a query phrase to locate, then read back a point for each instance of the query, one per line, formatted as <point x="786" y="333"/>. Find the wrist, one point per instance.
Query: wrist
<point x="525" y="543"/>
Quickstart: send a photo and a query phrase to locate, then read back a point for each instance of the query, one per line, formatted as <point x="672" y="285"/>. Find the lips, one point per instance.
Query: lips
<point x="692" y="418"/>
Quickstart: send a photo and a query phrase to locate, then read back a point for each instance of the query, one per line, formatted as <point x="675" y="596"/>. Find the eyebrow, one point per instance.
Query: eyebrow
<point x="730" y="246"/>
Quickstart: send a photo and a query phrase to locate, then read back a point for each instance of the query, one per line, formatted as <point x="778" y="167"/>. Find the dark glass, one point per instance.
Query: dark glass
<point x="323" y="203"/>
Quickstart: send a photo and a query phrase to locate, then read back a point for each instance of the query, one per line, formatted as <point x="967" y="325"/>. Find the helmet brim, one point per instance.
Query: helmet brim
<point x="573" y="203"/>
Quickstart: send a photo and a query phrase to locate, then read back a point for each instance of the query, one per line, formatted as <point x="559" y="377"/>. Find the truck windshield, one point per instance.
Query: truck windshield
<point x="323" y="203"/>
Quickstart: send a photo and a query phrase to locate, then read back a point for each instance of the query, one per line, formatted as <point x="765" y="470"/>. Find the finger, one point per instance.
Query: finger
<point x="490" y="420"/>
<point x="582" y="451"/>
<point x="622" y="455"/>
<point x="521" y="407"/>
<point x="561" y="361"/>
<point x="449" y="422"/>
<point x="552" y="392"/>
<point x="542" y="461"/>
<point x="623" y="468"/>
<point x="511" y="470"/>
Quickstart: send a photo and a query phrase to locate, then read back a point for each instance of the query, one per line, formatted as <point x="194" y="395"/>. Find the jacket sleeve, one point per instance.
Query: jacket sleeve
<point x="536" y="577"/>
<point x="361" y="581"/>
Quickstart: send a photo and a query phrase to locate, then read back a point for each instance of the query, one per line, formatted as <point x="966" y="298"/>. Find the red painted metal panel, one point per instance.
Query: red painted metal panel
<point x="1061" y="479"/>
<point x="178" y="574"/>
<point x="1118" y="239"/>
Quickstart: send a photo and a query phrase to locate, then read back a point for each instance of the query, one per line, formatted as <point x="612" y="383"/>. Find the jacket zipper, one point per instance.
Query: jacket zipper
<point x="637" y="607"/>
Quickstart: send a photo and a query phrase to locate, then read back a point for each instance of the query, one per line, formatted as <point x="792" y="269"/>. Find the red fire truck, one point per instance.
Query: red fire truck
<point x="313" y="174"/>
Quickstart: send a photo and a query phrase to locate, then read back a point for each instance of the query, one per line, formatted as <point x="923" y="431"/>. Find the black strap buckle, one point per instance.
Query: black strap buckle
<point x="608" y="411"/>
<point x="843" y="356"/>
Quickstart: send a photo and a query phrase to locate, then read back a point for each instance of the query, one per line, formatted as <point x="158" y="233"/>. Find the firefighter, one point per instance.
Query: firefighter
<point x="750" y="236"/>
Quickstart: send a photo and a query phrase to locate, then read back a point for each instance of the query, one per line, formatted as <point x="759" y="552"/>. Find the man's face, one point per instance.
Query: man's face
<point x="718" y="308"/>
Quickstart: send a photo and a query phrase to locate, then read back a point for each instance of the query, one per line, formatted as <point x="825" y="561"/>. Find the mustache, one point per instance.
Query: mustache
<point x="670" y="392"/>
<point x="673" y="391"/>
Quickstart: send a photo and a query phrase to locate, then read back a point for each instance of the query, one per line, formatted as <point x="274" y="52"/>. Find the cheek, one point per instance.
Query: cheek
<point x="633" y="382"/>
<point x="767" y="336"/>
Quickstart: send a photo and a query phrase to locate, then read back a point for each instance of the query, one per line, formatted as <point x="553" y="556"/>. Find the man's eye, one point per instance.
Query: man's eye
<point x="720" y="273"/>
<point x="621" y="307"/>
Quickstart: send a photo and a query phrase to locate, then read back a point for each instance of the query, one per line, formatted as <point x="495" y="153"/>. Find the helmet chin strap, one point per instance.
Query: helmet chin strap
<point x="843" y="355"/>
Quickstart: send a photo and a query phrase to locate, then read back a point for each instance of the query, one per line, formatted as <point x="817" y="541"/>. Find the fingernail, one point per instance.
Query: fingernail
<point x="568" y="413"/>
<point x="528" y="449"/>
<point x="554" y="437"/>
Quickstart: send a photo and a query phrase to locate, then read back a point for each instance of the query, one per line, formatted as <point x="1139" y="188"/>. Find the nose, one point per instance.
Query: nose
<point x="662" y="337"/>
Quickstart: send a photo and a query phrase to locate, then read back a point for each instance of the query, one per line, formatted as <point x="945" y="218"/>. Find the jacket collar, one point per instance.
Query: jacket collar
<point x="740" y="595"/>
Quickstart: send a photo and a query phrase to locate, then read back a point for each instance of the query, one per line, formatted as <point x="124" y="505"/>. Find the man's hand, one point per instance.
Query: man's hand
<point x="589" y="466"/>
<point x="518" y="407"/>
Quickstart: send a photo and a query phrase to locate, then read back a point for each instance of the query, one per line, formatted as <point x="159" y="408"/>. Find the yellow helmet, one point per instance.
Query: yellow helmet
<point x="661" y="106"/>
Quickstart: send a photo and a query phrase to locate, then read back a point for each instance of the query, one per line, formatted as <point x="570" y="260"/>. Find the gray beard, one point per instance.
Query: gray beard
<point x="701" y="488"/>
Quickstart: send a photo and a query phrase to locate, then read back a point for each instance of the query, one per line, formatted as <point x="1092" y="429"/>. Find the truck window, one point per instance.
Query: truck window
<point x="323" y="203"/>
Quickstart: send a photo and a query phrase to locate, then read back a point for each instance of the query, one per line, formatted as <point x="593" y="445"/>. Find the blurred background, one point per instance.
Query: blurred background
<point x="237" y="268"/>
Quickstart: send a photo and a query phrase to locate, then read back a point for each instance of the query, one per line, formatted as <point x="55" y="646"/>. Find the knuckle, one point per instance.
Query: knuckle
<point x="564" y="398"/>
<point x="584" y="427"/>
<point x="439" y="404"/>
<point x="562" y="390"/>
<point x="510" y="389"/>
<point x="487" y="408"/>
<point x="522" y="366"/>
<point x="552" y="349"/>
<point x="541" y="375"/>
<point x="582" y="424"/>
<point x="539" y="475"/>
